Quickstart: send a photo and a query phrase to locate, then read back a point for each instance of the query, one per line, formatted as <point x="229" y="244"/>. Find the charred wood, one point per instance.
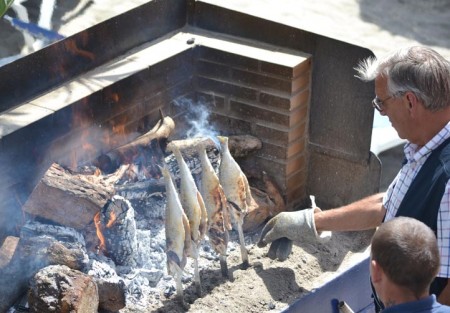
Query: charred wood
<point x="12" y="284"/>
<point x="111" y="287"/>
<point x="111" y="294"/>
<point x="22" y="258"/>
<point x="118" y="226"/>
<point x="239" y="145"/>
<point x="58" y="288"/>
<point x="7" y="250"/>
<point x="61" y="191"/>
<point x="140" y="189"/>
<point x="60" y="233"/>
<point x="38" y="252"/>
<point x="154" y="142"/>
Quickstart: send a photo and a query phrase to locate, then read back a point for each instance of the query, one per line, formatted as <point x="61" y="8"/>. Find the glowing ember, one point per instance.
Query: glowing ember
<point x="112" y="219"/>
<point x="99" y="232"/>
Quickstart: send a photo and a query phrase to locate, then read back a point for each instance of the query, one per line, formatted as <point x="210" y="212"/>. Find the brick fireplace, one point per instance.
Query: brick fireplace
<point x="292" y="89"/>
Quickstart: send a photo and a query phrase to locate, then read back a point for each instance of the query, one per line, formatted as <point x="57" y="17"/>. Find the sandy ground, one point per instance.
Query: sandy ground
<point x="378" y="25"/>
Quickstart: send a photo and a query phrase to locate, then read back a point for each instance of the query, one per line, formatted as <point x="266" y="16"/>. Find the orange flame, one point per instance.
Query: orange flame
<point x="99" y="231"/>
<point x="112" y="219"/>
<point x="98" y="228"/>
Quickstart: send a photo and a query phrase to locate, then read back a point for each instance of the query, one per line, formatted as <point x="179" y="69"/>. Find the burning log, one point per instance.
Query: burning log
<point x="58" y="288"/>
<point x="154" y="141"/>
<point x="61" y="191"/>
<point x="117" y="230"/>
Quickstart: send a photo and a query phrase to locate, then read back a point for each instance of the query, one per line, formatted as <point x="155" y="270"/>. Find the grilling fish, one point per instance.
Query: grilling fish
<point x="216" y="208"/>
<point x="237" y="192"/>
<point x="194" y="207"/>
<point x="178" y="234"/>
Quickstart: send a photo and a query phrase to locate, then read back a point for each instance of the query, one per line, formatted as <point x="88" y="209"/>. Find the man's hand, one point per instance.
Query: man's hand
<point x="296" y="226"/>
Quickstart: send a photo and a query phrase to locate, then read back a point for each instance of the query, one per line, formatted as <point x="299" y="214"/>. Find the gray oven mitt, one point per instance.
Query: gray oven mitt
<point x="286" y="227"/>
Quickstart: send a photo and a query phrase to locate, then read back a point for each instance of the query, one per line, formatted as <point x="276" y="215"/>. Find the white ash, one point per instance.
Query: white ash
<point x="60" y="233"/>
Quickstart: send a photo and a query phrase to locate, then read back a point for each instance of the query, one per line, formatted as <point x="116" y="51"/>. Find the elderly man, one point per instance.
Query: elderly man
<point x="412" y="87"/>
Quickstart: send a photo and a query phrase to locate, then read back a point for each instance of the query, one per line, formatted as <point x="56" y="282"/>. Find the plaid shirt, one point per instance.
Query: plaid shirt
<point x="397" y="190"/>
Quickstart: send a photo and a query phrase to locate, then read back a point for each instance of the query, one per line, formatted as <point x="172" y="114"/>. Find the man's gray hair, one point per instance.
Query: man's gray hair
<point x="418" y="69"/>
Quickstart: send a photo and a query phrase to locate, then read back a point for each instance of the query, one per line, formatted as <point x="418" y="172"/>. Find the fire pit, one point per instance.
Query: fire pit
<point x="97" y="90"/>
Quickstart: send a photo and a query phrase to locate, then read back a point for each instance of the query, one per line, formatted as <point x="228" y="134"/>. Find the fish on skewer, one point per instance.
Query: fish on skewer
<point x="194" y="207"/>
<point x="237" y="191"/>
<point x="216" y="208"/>
<point x="178" y="234"/>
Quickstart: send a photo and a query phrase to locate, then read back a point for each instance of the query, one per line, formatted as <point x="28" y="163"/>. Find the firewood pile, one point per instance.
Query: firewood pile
<point x="96" y="236"/>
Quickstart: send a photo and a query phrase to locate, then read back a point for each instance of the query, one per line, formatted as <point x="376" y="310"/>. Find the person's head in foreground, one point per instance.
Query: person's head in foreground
<point x="404" y="260"/>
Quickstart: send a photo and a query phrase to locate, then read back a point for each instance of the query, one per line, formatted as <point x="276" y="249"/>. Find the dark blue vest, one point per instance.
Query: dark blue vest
<point x="423" y="198"/>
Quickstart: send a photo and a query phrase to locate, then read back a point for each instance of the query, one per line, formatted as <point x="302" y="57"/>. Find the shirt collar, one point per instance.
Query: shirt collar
<point x="413" y="154"/>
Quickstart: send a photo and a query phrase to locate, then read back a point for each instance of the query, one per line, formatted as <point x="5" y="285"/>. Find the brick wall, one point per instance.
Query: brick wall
<point x="248" y="95"/>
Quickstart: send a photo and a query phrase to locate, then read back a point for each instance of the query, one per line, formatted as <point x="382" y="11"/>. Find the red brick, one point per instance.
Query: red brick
<point x="301" y="82"/>
<point x="277" y="101"/>
<point x="225" y="88"/>
<point x="302" y="67"/>
<point x="277" y="69"/>
<point x="297" y="163"/>
<point x="214" y="102"/>
<point x="228" y="125"/>
<point x="268" y="133"/>
<point x="254" y="113"/>
<point x="298" y="116"/>
<point x="296" y="180"/>
<point x="296" y="147"/>
<point x="272" y="151"/>
<point x="300" y="98"/>
<point x="213" y="70"/>
<point x="262" y="81"/>
<point x="227" y="58"/>
<point x="297" y="132"/>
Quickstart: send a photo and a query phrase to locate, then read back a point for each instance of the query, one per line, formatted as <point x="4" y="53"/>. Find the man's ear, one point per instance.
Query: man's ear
<point x="413" y="101"/>
<point x="375" y="271"/>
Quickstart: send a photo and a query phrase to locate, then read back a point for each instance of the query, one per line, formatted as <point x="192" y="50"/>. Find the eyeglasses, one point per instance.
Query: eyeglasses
<point x="377" y="103"/>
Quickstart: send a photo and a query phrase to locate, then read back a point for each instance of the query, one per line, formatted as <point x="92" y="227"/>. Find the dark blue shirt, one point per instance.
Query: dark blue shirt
<point x="426" y="305"/>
